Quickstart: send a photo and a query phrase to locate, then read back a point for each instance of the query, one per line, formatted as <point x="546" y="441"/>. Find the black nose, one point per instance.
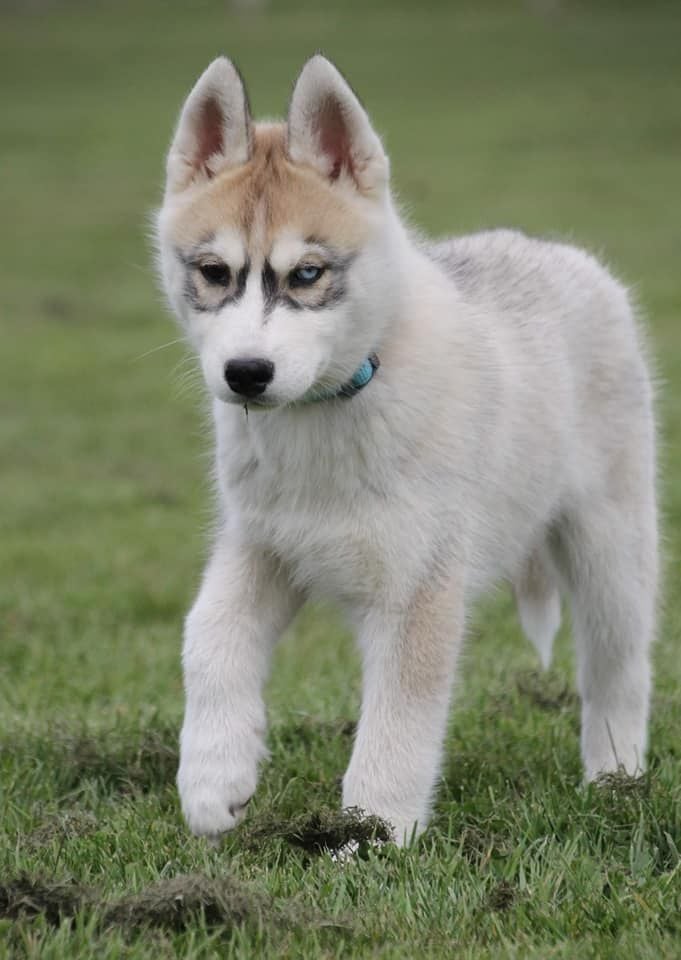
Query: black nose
<point x="249" y="377"/>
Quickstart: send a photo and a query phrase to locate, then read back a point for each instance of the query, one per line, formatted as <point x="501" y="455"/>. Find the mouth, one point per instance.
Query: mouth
<point x="250" y="403"/>
<point x="259" y="403"/>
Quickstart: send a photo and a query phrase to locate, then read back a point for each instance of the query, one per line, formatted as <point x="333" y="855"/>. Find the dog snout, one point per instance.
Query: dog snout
<point x="249" y="377"/>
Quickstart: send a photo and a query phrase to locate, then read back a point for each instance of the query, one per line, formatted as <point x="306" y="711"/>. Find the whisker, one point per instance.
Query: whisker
<point x="188" y="360"/>
<point x="163" y="346"/>
<point x="186" y="376"/>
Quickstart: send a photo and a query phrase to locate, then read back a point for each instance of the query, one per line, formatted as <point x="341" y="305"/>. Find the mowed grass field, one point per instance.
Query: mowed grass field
<point x="566" y="123"/>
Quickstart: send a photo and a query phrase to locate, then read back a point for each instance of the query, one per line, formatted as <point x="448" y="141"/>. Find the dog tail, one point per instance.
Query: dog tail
<point x="538" y="599"/>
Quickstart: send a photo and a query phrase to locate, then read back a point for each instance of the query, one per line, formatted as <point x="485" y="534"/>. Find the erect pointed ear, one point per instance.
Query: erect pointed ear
<point x="214" y="131"/>
<point x="328" y="128"/>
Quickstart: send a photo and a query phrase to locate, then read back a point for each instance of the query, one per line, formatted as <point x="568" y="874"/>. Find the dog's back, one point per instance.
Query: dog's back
<point x="556" y="307"/>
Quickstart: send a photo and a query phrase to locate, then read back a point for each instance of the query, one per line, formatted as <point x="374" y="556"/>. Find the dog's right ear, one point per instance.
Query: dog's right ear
<point x="214" y="131"/>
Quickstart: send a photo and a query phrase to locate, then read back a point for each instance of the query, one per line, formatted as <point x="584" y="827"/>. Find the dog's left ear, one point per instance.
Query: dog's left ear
<point x="329" y="129"/>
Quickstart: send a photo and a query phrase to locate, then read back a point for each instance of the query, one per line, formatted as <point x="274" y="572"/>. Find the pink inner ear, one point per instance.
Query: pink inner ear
<point x="209" y="133"/>
<point x="334" y="139"/>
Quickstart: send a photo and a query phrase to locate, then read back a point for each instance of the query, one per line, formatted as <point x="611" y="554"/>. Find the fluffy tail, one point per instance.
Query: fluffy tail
<point x="538" y="600"/>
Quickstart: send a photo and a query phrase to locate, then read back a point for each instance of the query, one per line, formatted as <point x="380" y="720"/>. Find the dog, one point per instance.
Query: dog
<point x="399" y="426"/>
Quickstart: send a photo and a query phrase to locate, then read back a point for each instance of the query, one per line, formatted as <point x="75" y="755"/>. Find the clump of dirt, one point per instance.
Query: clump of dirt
<point x="623" y="785"/>
<point x="322" y="831"/>
<point x="502" y="896"/>
<point x="477" y="845"/>
<point x="545" y="691"/>
<point x="172" y="905"/>
<point x="67" y="825"/>
<point x="24" y="897"/>
<point x="177" y="903"/>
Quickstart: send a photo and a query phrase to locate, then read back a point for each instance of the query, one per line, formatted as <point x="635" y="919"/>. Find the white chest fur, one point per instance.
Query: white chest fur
<point x="322" y="494"/>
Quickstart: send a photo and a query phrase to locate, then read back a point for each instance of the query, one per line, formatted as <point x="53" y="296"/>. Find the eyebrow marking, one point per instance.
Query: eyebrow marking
<point x="196" y="249"/>
<point x="336" y="259"/>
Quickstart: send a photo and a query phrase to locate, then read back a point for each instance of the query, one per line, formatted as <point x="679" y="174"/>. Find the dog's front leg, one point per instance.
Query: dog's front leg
<point x="409" y="661"/>
<point x="242" y="607"/>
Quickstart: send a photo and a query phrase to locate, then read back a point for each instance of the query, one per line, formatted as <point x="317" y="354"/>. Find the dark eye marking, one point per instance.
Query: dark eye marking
<point x="217" y="274"/>
<point x="292" y="286"/>
<point x="241" y="278"/>
<point x="221" y="284"/>
<point x="305" y="275"/>
<point x="270" y="286"/>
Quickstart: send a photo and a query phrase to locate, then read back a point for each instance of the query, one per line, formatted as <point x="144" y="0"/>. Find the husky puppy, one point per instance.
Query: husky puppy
<point x="399" y="425"/>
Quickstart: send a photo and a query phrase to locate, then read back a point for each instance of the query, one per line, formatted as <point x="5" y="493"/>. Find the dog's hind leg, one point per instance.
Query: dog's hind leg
<point x="538" y="600"/>
<point x="609" y="552"/>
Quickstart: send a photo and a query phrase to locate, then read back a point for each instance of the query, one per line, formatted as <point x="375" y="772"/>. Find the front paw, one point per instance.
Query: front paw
<point x="405" y="818"/>
<point x="215" y="783"/>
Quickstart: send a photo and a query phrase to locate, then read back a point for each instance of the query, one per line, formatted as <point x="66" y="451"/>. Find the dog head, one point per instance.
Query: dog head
<point x="277" y="241"/>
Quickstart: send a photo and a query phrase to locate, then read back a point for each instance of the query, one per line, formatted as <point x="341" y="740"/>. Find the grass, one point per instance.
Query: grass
<point x="494" y="113"/>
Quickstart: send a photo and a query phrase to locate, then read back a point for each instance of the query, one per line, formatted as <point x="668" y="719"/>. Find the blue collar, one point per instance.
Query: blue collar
<point x="362" y="375"/>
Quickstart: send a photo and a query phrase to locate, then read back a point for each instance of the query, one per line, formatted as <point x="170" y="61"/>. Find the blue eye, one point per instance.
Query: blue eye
<point x="305" y="276"/>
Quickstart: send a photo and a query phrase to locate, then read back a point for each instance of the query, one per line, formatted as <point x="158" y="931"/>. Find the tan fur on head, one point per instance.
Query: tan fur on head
<point x="267" y="194"/>
<point x="262" y="204"/>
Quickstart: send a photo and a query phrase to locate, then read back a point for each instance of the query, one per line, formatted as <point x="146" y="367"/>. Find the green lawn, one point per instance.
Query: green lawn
<point x="494" y="113"/>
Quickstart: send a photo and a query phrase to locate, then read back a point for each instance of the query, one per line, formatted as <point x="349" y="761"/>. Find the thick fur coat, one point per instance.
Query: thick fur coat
<point x="507" y="435"/>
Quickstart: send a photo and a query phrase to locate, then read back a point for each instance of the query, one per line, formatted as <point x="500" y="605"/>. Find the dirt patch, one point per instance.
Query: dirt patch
<point x="178" y="903"/>
<point x="478" y="846"/>
<point x="24" y="897"/>
<point x="624" y="787"/>
<point x="171" y="905"/>
<point x="64" y="826"/>
<point x="320" y="831"/>
<point x="502" y="896"/>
